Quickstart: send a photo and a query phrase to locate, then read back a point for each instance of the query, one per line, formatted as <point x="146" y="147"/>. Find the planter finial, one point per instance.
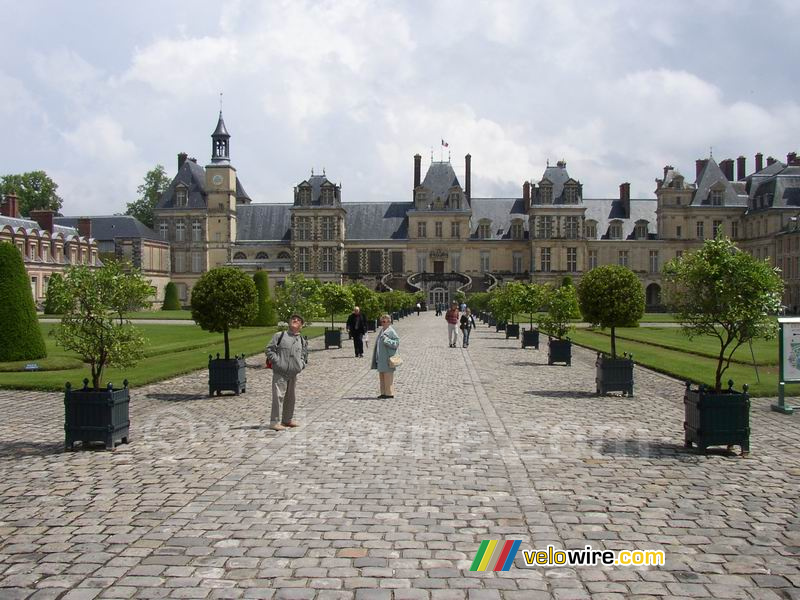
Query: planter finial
<point x="745" y="387"/>
<point x="124" y="383"/>
<point x="730" y="385"/>
<point x="110" y="387"/>
<point x="86" y="383"/>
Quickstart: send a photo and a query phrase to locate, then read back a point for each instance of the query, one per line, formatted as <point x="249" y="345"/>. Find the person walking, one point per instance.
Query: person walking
<point x="357" y="328"/>
<point x="467" y="323"/>
<point x="451" y="316"/>
<point x="287" y="354"/>
<point x="419" y="308"/>
<point x="386" y="343"/>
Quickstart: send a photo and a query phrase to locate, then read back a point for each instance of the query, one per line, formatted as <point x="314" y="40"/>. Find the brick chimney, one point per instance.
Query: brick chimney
<point x="625" y="198"/>
<point x="791" y="159"/>
<point x="699" y="165"/>
<point x="468" y="176"/>
<point x="84" y="227"/>
<point x="770" y="160"/>
<point x="417" y="169"/>
<point x="526" y="195"/>
<point x="182" y="156"/>
<point x="741" y="171"/>
<point x="44" y="218"/>
<point x="9" y="207"/>
<point x="727" y="168"/>
<point x="759" y="162"/>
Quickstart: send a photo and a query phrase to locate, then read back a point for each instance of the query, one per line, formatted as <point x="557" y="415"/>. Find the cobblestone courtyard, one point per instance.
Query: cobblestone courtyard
<point x="390" y="499"/>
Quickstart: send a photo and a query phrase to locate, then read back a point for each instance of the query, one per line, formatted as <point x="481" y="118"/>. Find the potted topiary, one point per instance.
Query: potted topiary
<point x="534" y="297"/>
<point x="515" y="293"/>
<point x="722" y="292"/>
<point x="560" y="305"/>
<point x="298" y="295"/>
<point x="612" y="296"/>
<point x="369" y="301"/>
<point x="498" y="303"/>
<point x="335" y="299"/>
<point x="95" y="327"/>
<point x="225" y="298"/>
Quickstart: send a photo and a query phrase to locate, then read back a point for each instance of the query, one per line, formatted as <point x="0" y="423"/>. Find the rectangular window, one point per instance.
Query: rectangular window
<point x="716" y="227"/>
<point x="327" y="260"/>
<point x="438" y="229"/>
<point x="422" y="229"/>
<point x="422" y="263"/>
<point x="572" y="259"/>
<point x="544" y="227"/>
<point x="701" y="230"/>
<point x="654" y="263"/>
<point x="328" y="228"/>
<point x="197" y="231"/>
<point x="303" y="228"/>
<point x="734" y="229"/>
<point x="678" y="231"/>
<point x="517" y="230"/>
<point x="544" y="260"/>
<point x="180" y="265"/>
<point x="353" y="261"/>
<point x="592" y="259"/>
<point x="163" y="230"/>
<point x="397" y="262"/>
<point x="180" y="231"/>
<point x="304" y="259"/>
<point x="375" y="258"/>
<point x="641" y="231"/>
<point x="485" y="261"/>
<point x="455" y="261"/>
<point x="483" y="231"/>
<point x="34" y="281"/>
<point x="197" y="262"/>
<point x="622" y="258"/>
<point x="455" y="229"/>
<point x="516" y="262"/>
<point x="571" y="227"/>
<point x="615" y="231"/>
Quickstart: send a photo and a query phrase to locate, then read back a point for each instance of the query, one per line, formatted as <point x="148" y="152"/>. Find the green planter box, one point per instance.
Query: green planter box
<point x="716" y="419"/>
<point x="501" y="326"/>
<point x="96" y="415"/>
<point x="333" y="337"/>
<point x="614" y="374"/>
<point x="559" y="351"/>
<point x="512" y="330"/>
<point x="530" y="338"/>
<point x="372" y="324"/>
<point x="227" y="375"/>
<point x="491" y="321"/>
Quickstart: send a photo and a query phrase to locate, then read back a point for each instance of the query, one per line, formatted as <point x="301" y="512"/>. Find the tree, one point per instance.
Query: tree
<point x="224" y="298"/>
<point x="171" y="300"/>
<point x="369" y="301"/>
<point x="35" y="191"/>
<point x="298" y="295"/>
<point x="54" y="299"/>
<point x="20" y="336"/>
<point x="722" y="292"/>
<point x="559" y="303"/>
<point x="150" y="191"/>
<point x="460" y="297"/>
<point x="534" y="297"/>
<point x="479" y="301"/>
<point x="93" y="325"/>
<point x="266" y="316"/>
<point x="576" y="310"/>
<point x="335" y="299"/>
<point x="131" y="291"/>
<point x="611" y="296"/>
<point x="509" y="300"/>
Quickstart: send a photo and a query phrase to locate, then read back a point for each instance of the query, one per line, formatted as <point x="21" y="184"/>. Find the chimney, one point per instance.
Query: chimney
<point x="625" y="198"/>
<point x="417" y="169"/>
<point x="85" y="227"/>
<point x="182" y="156"/>
<point x="667" y="169"/>
<point x="468" y="176"/>
<point x="9" y="209"/>
<point x="699" y="165"/>
<point x="526" y="195"/>
<point x="44" y="218"/>
<point x="741" y="172"/>
<point x="193" y="159"/>
<point x="770" y="160"/>
<point x="727" y="168"/>
<point x="791" y="159"/>
<point x="759" y="162"/>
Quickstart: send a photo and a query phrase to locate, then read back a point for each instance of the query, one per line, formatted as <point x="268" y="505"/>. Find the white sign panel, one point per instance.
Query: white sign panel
<point x="791" y="351"/>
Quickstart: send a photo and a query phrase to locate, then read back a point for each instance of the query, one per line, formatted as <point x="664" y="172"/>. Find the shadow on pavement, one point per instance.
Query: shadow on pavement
<point x="563" y="394"/>
<point x="177" y="397"/>
<point x="20" y="449"/>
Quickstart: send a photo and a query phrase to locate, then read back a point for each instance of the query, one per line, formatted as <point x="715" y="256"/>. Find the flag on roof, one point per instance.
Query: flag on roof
<point x="445" y="144"/>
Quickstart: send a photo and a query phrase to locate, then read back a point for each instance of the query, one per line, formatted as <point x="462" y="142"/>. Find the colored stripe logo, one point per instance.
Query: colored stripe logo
<point x="495" y="555"/>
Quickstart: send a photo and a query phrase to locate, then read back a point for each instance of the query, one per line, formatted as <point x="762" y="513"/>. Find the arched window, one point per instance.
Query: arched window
<point x="284" y="255"/>
<point x="484" y="229"/>
<point x="262" y="256"/>
<point x="240" y="256"/>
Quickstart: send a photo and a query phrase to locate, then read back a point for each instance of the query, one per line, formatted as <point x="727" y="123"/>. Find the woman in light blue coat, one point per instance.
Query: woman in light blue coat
<point x="386" y="344"/>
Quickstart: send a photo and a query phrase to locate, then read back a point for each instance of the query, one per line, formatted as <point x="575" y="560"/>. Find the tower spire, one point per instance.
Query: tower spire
<point x="220" y="140"/>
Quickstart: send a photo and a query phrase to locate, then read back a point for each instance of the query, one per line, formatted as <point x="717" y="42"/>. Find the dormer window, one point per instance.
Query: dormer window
<point x="327" y="196"/>
<point x="590" y="230"/>
<point x="438" y="204"/>
<point x="421" y="197"/>
<point x="640" y="231"/>
<point x="716" y="197"/>
<point x="305" y="196"/>
<point x="182" y="198"/>
<point x="484" y="229"/>
<point x="517" y="229"/>
<point x="615" y="231"/>
<point x="546" y="194"/>
<point x="571" y="194"/>
<point x="455" y="200"/>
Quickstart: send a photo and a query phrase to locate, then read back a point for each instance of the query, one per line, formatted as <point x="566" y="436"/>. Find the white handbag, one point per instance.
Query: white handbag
<point x="395" y="361"/>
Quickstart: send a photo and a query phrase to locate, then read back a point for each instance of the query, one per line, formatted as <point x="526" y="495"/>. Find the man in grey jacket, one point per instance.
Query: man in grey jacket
<point x="288" y="354"/>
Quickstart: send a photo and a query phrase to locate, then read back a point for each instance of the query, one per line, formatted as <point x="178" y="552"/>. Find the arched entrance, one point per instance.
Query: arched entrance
<point x="653" y="296"/>
<point x="437" y="295"/>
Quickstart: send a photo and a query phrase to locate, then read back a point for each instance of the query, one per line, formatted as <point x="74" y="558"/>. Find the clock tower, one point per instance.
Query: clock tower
<point x="221" y="188"/>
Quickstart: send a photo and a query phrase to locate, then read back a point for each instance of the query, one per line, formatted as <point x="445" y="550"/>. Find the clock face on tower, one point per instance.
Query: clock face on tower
<point x="217" y="179"/>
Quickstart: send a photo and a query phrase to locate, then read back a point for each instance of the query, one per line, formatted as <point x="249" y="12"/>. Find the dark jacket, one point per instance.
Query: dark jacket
<point x="467" y="322"/>
<point x="357" y="324"/>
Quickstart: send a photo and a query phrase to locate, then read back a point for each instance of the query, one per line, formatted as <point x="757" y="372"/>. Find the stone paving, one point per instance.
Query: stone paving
<point x="390" y="499"/>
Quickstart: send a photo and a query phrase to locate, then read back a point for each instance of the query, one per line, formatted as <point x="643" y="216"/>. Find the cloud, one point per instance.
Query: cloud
<point x="101" y="138"/>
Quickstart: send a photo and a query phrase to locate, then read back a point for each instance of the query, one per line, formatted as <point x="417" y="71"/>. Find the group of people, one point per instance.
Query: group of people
<point x="459" y="318"/>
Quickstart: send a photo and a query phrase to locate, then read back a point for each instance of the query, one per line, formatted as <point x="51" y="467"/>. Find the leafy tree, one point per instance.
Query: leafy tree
<point x="150" y="191"/>
<point x="534" y="297"/>
<point x="20" y="336"/>
<point x="722" y="292"/>
<point x="559" y="303"/>
<point x="509" y="300"/>
<point x="171" y="300"/>
<point x="460" y="297"/>
<point x="576" y="310"/>
<point x="479" y="301"/>
<point x="35" y="191"/>
<point x="266" y="309"/>
<point x="611" y="296"/>
<point x="335" y="298"/>
<point x="54" y="299"/>
<point x="92" y="325"/>
<point x="298" y="295"/>
<point x="392" y="301"/>
<point x="224" y="298"/>
<point x="131" y="291"/>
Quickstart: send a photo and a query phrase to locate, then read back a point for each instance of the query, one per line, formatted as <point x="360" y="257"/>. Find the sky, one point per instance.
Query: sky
<point x="98" y="92"/>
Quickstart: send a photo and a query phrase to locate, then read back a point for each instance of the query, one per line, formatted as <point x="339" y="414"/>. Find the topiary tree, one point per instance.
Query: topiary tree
<point x="298" y="295"/>
<point x="479" y="301"/>
<point x="336" y="299"/>
<point x="575" y="313"/>
<point x="93" y="324"/>
<point x="509" y="300"/>
<point x="392" y="301"/>
<point x="265" y="317"/>
<point x="460" y="297"/>
<point x="611" y="296"/>
<point x="534" y="297"/>
<point x="559" y="303"/>
<point x="722" y="292"/>
<point x="171" y="300"/>
<point x="20" y="336"/>
<point x="131" y="291"/>
<point x="224" y="298"/>
<point x="53" y="302"/>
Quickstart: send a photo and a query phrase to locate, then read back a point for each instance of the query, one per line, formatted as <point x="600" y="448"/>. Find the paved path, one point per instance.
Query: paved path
<point x="389" y="499"/>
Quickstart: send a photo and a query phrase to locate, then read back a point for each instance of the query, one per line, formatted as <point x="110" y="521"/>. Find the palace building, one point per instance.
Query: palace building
<point x="444" y="238"/>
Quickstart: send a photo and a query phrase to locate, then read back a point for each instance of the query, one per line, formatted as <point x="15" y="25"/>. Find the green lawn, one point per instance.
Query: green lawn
<point x="171" y="350"/>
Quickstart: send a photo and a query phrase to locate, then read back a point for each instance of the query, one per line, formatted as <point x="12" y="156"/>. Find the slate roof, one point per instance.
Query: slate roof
<point x="733" y="195"/>
<point x="439" y="179"/>
<point x="500" y="211"/>
<point x="781" y="189"/>
<point x="30" y="225"/>
<point x="377" y="220"/>
<point x="263" y="222"/>
<point x="193" y="176"/>
<point x="558" y="176"/>
<point x="316" y="182"/>
<point x="603" y="211"/>
<point x="106" y="228"/>
<point x="221" y="130"/>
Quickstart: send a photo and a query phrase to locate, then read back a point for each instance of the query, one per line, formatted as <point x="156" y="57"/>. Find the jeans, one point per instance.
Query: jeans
<point x="465" y="336"/>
